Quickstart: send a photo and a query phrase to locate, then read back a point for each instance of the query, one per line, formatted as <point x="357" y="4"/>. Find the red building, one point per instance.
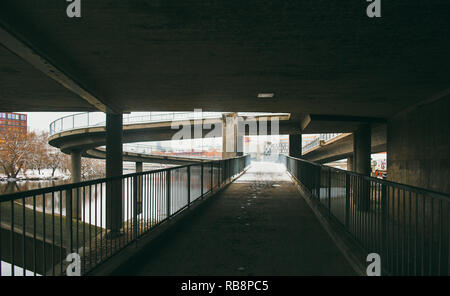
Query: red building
<point x="12" y="122"/>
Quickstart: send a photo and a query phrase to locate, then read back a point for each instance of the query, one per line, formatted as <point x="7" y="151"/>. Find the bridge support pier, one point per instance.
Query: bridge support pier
<point x="350" y="163"/>
<point x="232" y="141"/>
<point x="75" y="202"/>
<point x="75" y="166"/>
<point x="418" y="146"/>
<point x="114" y="168"/>
<point x="362" y="164"/>
<point x="295" y="145"/>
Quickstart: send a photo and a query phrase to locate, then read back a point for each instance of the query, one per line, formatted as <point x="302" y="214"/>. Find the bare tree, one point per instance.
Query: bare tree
<point x="15" y="152"/>
<point x="38" y="157"/>
<point x="92" y="168"/>
<point x="55" y="160"/>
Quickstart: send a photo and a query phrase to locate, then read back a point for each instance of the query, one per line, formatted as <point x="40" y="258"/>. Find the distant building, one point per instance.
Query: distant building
<point x="12" y="122"/>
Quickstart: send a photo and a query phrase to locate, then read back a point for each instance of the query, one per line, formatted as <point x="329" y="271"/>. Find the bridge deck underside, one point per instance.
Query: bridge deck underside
<point x="259" y="225"/>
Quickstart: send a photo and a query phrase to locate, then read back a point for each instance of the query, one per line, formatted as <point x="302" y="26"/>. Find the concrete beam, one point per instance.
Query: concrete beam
<point x="20" y="46"/>
<point x="344" y="118"/>
<point x="343" y="147"/>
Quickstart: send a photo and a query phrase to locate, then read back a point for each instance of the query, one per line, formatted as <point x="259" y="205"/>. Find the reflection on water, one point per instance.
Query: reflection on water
<point x="89" y="202"/>
<point x="12" y="187"/>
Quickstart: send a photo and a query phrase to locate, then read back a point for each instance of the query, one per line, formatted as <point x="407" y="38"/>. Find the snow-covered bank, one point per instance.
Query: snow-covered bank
<point x="34" y="175"/>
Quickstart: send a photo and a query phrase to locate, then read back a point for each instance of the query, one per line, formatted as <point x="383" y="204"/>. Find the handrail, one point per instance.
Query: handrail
<point x="436" y="194"/>
<point x="407" y="226"/>
<point x="322" y="137"/>
<point x="98" y="218"/>
<point x="93" y="119"/>
<point x="18" y="195"/>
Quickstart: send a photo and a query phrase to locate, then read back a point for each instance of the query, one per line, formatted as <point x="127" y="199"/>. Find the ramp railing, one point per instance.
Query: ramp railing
<point x="407" y="226"/>
<point x="75" y="227"/>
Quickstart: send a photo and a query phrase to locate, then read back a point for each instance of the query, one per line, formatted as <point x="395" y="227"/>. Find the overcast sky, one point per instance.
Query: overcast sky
<point x="40" y="121"/>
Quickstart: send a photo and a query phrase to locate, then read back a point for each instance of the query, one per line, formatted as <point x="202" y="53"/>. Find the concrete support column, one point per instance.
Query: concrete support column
<point x="350" y="163"/>
<point x="74" y="201"/>
<point x="114" y="168"/>
<point x="139" y="167"/>
<point x="139" y="188"/>
<point x="295" y="145"/>
<point x="232" y="143"/>
<point x="75" y="166"/>
<point x="361" y="156"/>
<point x="362" y="150"/>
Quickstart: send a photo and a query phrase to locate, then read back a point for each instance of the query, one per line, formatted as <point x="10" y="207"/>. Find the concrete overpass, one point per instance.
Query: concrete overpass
<point x="310" y="57"/>
<point x="342" y="147"/>
<point x="94" y="135"/>
<point x="327" y="64"/>
<point x="85" y="138"/>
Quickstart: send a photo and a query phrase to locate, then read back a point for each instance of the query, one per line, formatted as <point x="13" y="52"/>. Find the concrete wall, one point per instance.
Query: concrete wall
<point x="418" y="146"/>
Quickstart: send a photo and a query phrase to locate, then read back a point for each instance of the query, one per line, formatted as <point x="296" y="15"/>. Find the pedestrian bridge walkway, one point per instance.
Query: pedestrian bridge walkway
<point x="259" y="225"/>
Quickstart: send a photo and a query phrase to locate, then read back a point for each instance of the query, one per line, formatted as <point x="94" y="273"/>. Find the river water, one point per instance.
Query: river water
<point x="12" y="187"/>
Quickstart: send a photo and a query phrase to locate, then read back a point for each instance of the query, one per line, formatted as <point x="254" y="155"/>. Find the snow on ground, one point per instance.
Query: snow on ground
<point x="44" y="174"/>
<point x="265" y="171"/>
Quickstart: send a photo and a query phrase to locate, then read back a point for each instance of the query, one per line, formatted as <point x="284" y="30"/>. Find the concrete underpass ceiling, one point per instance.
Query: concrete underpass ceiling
<point x="318" y="57"/>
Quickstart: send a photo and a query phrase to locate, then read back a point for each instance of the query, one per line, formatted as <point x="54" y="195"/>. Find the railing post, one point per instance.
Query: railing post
<point x="446" y="239"/>
<point x="201" y="180"/>
<point x="168" y="193"/>
<point x="218" y="174"/>
<point x="69" y="221"/>
<point x="135" y="205"/>
<point x="319" y="182"/>
<point x="189" y="186"/>
<point x="347" y="201"/>
<point x="384" y="217"/>
<point x="329" y="192"/>
<point x="212" y="177"/>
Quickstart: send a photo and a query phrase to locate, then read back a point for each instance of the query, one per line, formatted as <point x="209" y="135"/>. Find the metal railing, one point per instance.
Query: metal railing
<point x="93" y="119"/>
<point x="407" y="226"/>
<point x="320" y="139"/>
<point x="96" y="219"/>
<point x="154" y="148"/>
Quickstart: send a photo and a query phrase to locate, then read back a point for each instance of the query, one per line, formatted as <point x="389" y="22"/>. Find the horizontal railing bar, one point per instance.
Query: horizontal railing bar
<point x="431" y="193"/>
<point x="18" y="195"/>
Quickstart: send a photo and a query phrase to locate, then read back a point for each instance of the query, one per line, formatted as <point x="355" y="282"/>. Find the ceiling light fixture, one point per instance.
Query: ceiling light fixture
<point x="266" y="95"/>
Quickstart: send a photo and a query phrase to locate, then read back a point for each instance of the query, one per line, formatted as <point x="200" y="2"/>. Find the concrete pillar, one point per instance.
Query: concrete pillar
<point x="295" y="145"/>
<point x="139" y="167"/>
<point x="239" y="144"/>
<point x="139" y="186"/>
<point x="418" y="146"/>
<point x="114" y="167"/>
<point x="350" y="163"/>
<point x="75" y="166"/>
<point x="231" y="144"/>
<point x="362" y="150"/>
<point x="361" y="164"/>
<point x="73" y="200"/>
